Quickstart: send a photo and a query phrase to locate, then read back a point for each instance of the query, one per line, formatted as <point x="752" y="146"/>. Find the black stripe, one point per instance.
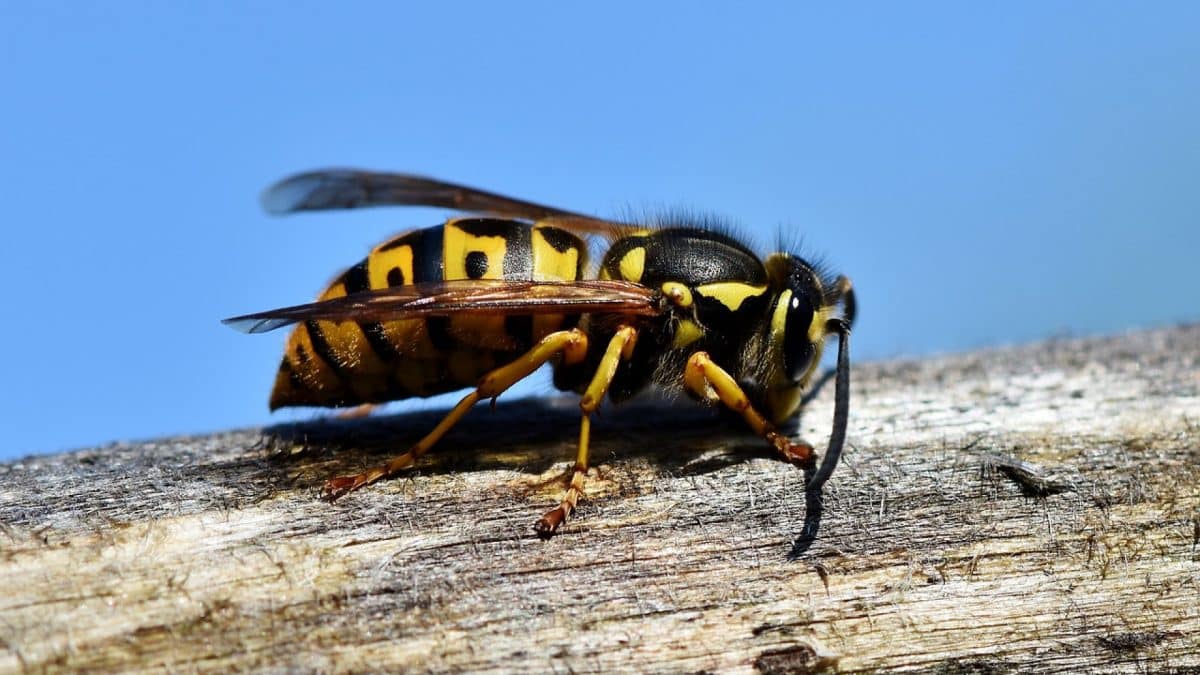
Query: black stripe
<point x="380" y="343"/>
<point x="427" y="255"/>
<point x="428" y="265"/>
<point x="356" y="280"/>
<point x="322" y="348"/>
<point x="405" y="239"/>
<point x="520" y="328"/>
<point x="293" y="377"/>
<point x="489" y="227"/>
<point x="438" y="328"/>
<point x="561" y="240"/>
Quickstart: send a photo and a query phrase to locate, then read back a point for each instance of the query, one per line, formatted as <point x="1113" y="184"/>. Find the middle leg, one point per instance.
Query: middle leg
<point x="620" y="347"/>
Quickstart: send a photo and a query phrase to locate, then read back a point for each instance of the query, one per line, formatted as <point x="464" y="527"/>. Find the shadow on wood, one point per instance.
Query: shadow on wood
<point x="1032" y="508"/>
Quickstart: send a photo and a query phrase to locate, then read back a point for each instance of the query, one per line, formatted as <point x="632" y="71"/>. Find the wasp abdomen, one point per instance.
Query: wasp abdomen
<point x="345" y="363"/>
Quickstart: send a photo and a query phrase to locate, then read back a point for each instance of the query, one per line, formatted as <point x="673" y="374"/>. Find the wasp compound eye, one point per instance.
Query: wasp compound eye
<point x="798" y="349"/>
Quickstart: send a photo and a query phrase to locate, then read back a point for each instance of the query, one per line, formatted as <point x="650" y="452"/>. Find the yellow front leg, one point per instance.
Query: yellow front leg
<point x="572" y="344"/>
<point x="711" y="383"/>
<point x="620" y="347"/>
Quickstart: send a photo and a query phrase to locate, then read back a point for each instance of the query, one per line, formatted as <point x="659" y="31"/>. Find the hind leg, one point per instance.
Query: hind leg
<point x="572" y="344"/>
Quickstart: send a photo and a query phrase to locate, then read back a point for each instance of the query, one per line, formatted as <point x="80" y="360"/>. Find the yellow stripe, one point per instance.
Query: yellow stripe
<point x="383" y="267"/>
<point x="381" y="263"/>
<point x="551" y="265"/>
<point x="686" y="332"/>
<point x="366" y="371"/>
<point x="633" y="264"/>
<point x="312" y="369"/>
<point x="457" y="243"/>
<point x="732" y="293"/>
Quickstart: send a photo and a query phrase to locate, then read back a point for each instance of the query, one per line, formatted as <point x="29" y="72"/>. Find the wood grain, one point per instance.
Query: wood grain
<point x="1034" y="508"/>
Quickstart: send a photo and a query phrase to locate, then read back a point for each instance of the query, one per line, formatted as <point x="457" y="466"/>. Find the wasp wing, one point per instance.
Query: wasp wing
<point x="468" y="296"/>
<point x="351" y="188"/>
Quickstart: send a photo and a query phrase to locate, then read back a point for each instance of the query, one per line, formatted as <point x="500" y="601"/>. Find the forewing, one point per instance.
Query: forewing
<point x="468" y="296"/>
<point x="351" y="188"/>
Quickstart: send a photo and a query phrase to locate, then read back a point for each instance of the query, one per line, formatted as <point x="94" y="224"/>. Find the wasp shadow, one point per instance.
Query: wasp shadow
<point x="529" y="435"/>
<point x="679" y="437"/>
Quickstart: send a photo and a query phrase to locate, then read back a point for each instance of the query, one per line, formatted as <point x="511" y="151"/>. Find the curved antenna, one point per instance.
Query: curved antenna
<point x="841" y="406"/>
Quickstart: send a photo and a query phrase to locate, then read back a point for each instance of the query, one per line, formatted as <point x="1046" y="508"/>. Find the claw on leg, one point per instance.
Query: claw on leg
<point x="341" y="486"/>
<point x="799" y="453"/>
<point x="619" y="347"/>
<point x="549" y="522"/>
<point x="711" y="383"/>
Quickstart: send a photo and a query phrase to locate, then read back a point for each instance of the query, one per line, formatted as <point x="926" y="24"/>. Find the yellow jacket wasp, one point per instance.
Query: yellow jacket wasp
<point x="485" y="300"/>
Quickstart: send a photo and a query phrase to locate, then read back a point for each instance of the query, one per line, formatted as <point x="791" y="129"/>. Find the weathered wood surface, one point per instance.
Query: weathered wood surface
<point x="937" y="549"/>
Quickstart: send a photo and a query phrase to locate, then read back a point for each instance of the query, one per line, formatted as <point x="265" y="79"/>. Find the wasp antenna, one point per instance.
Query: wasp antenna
<point x="841" y="406"/>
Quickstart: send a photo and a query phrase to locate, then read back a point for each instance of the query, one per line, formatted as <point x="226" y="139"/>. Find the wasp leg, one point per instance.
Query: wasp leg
<point x="619" y="347"/>
<point x="572" y="344"/>
<point x="711" y="383"/>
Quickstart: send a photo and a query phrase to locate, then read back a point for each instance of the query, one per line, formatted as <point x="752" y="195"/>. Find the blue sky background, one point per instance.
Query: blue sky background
<point x="987" y="173"/>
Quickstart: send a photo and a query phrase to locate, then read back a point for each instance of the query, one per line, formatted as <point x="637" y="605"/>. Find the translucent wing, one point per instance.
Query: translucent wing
<point x="349" y="189"/>
<point x="469" y="296"/>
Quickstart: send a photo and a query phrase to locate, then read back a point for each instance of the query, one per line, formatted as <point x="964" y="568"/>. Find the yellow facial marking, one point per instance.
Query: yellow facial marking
<point x="633" y="264"/>
<point x="677" y="293"/>
<point x="686" y="332"/>
<point x="730" y="293"/>
<point x="816" y="329"/>
<point x="779" y="317"/>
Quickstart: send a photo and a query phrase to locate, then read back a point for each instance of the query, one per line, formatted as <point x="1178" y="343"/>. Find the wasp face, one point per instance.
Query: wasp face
<point x="801" y="308"/>
<point x="797" y="332"/>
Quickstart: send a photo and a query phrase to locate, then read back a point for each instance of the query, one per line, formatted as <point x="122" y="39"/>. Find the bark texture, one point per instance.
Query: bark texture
<point x="1034" y="508"/>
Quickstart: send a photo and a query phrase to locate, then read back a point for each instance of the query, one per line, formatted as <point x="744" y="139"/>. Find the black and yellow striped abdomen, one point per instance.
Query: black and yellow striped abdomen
<point x="347" y="363"/>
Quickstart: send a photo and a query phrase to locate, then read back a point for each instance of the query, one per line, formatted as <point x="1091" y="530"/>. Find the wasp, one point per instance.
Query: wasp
<point x="485" y="299"/>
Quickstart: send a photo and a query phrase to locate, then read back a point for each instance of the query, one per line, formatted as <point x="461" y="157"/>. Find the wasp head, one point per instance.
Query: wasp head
<point x="803" y="302"/>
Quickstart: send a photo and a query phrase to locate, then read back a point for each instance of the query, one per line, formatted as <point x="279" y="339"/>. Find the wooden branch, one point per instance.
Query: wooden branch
<point x="1034" y="508"/>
